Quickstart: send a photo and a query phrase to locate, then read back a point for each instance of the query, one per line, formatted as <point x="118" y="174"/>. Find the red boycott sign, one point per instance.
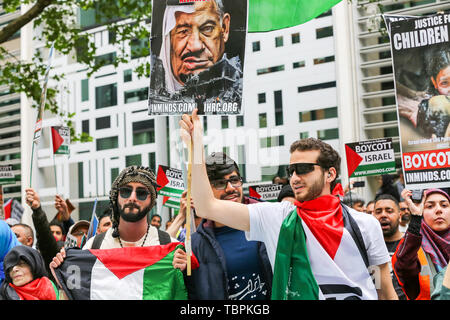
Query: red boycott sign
<point x="427" y="169"/>
<point x="433" y="159"/>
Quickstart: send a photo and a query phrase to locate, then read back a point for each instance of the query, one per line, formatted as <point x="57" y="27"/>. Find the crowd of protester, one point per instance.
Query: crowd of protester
<point x="415" y="232"/>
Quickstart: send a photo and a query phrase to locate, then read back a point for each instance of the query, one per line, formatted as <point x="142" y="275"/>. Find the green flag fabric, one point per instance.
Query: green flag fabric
<point x="130" y="273"/>
<point x="269" y="15"/>
<point x="293" y="278"/>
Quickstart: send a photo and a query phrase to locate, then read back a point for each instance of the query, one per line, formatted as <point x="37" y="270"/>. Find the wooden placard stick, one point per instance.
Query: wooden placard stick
<point x="188" y="210"/>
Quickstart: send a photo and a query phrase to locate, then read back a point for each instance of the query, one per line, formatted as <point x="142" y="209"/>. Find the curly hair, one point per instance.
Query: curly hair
<point x="328" y="157"/>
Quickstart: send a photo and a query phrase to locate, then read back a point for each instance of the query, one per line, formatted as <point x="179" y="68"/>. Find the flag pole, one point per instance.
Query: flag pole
<point x="2" y="210"/>
<point x="31" y="167"/>
<point x="188" y="210"/>
<point x="350" y="191"/>
<point x="54" y="162"/>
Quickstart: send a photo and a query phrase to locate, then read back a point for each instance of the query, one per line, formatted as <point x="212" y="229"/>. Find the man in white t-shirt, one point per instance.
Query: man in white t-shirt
<point x="336" y="265"/>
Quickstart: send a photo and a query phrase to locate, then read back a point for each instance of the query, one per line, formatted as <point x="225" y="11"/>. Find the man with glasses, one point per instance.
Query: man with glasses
<point x="319" y="249"/>
<point x="231" y="268"/>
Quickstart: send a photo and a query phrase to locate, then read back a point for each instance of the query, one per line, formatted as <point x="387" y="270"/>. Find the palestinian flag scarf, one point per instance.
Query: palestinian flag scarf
<point x="38" y="289"/>
<point x="317" y="257"/>
<point x="293" y="278"/>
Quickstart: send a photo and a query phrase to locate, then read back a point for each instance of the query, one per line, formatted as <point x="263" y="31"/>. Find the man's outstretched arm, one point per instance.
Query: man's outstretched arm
<point x="234" y="215"/>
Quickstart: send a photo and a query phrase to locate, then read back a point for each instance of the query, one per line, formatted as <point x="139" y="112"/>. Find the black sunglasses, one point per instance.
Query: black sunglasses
<point x="300" y="168"/>
<point x="141" y="193"/>
<point x="221" y="184"/>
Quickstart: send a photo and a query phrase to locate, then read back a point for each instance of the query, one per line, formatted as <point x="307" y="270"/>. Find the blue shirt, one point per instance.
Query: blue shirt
<point x="245" y="277"/>
<point x="8" y="240"/>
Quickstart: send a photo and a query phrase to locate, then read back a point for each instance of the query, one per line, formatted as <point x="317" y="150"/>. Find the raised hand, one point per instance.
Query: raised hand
<point x="61" y="207"/>
<point x="32" y="198"/>
<point x="416" y="209"/>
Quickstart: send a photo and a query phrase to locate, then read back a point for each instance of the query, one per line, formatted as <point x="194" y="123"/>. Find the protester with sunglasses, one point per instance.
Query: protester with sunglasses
<point x="318" y="249"/>
<point x="231" y="268"/>
<point x="132" y="196"/>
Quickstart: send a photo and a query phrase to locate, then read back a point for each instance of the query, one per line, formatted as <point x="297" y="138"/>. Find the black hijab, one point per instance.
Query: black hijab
<point x="32" y="257"/>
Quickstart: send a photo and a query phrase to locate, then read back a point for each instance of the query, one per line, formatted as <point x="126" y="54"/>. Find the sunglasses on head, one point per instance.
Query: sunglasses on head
<point x="141" y="193"/>
<point x="300" y="168"/>
<point x="221" y="184"/>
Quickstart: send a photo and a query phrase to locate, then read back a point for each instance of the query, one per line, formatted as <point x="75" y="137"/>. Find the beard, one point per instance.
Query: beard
<point x="133" y="217"/>
<point x="393" y="227"/>
<point x="313" y="191"/>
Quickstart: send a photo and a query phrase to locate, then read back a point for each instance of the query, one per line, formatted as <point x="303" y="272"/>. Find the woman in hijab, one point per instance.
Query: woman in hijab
<point x="425" y="249"/>
<point x="26" y="277"/>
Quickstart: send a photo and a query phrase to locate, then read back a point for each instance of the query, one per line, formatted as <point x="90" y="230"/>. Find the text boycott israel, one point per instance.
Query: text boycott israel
<point x="372" y="157"/>
<point x="420" y="49"/>
<point x="266" y="192"/>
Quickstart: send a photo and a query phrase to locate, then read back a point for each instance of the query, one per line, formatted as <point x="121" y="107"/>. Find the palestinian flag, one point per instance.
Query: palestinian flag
<point x="171" y="202"/>
<point x="7" y="208"/>
<point x="170" y="181"/>
<point x="353" y="159"/>
<point x="318" y="256"/>
<point x="60" y="140"/>
<point x="131" y="273"/>
<point x="268" y="15"/>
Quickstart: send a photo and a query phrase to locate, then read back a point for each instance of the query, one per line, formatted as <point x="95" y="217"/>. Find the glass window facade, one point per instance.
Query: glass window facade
<point x="279" y="41"/>
<point x="328" y="134"/>
<point x="270" y="70"/>
<point x="324" y="32"/>
<point x="136" y="95"/>
<point x="106" y="96"/>
<point x="84" y="90"/>
<point x="144" y="132"/>
<point x="107" y="143"/>
<point x="256" y="46"/>
<point x="320" y="114"/>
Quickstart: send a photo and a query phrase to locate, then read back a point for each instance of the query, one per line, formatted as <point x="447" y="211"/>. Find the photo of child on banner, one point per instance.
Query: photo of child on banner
<point x="197" y="56"/>
<point x="420" y="49"/>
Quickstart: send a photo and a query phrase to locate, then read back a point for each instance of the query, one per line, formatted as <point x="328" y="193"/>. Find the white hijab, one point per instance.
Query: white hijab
<point x="169" y="22"/>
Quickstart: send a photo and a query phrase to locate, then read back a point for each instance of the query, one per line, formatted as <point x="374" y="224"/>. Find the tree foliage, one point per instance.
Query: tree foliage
<point x="59" y="24"/>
